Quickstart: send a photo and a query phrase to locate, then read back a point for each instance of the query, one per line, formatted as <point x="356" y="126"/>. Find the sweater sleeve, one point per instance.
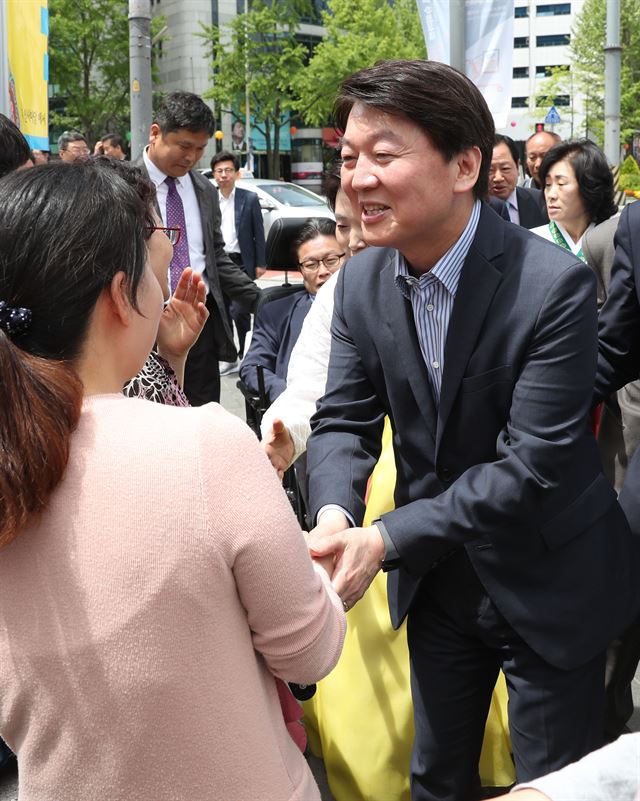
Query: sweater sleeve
<point x="610" y="774"/>
<point x="295" y="617"/>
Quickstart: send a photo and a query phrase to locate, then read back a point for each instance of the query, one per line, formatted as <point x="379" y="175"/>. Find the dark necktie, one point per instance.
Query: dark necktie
<point x="175" y="219"/>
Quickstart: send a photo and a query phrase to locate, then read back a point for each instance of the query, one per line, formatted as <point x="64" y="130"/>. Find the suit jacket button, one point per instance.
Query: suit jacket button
<point x="445" y="474"/>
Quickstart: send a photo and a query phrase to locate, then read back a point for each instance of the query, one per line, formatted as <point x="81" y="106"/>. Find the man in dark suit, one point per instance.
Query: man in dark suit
<point x="178" y="136"/>
<point x="526" y="207"/>
<point x="242" y="231"/>
<point x="619" y="369"/>
<point x="507" y="547"/>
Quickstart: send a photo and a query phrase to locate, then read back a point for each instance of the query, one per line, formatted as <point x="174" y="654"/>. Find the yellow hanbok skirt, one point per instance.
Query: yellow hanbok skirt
<point x="360" y="721"/>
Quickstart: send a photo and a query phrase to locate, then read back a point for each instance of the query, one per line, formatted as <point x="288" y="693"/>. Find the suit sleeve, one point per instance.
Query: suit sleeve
<point x="265" y="344"/>
<point x="345" y="442"/>
<point x="619" y="324"/>
<point x="258" y="232"/>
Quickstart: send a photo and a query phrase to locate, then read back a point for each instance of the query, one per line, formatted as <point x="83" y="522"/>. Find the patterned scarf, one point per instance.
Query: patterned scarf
<point x="559" y="239"/>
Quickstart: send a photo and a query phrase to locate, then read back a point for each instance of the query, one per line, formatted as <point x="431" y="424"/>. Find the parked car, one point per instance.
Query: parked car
<point x="279" y="199"/>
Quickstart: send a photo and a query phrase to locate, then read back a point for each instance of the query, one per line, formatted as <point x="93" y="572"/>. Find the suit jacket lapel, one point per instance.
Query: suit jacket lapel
<point x="401" y="325"/>
<point x="479" y="280"/>
<point x="238" y="208"/>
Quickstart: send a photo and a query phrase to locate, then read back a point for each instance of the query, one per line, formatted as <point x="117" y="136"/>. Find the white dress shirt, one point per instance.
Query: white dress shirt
<point x="512" y="206"/>
<point x="189" y="199"/>
<point x="228" y="212"/>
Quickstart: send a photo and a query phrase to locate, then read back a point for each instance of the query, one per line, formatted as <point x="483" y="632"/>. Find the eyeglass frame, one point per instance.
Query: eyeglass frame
<point x="225" y="171"/>
<point x="166" y="231"/>
<point x="323" y="261"/>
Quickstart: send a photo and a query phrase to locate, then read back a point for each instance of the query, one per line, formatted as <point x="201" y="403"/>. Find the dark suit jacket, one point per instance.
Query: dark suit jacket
<point x="250" y="230"/>
<point x="531" y="207"/>
<point x="276" y="330"/>
<point x="221" y="273"/>
<point x="506" y="467"/>
<point x="619" y="339"/>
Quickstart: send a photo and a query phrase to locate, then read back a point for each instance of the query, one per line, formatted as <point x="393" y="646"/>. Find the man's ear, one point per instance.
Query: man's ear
<point x="154" y="133"/>
<point x="469" y="162"/>
<point x="118" y="298"/>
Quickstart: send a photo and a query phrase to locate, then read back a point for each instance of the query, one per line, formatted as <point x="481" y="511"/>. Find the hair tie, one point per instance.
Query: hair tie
<point x="14" y="321"/>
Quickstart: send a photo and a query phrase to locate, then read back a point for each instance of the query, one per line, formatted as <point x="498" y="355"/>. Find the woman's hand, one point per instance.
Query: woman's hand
<point x="182" y="321"/>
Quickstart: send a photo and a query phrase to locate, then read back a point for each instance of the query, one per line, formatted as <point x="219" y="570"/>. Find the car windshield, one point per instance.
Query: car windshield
<point x="291" y="195"/>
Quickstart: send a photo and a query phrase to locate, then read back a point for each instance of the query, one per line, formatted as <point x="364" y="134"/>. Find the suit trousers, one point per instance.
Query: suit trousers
<point x="238" y="315"/>
<point x="458" y="641"/>
<point x="202" y="372"/>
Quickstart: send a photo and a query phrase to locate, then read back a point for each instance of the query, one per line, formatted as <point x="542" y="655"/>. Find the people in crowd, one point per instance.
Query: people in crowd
<point x="40" y="156"/>
<point x="72" y="146"/>
<point x="278" y="323"/>
<point x="578" y="190"/>
<point x="525" y="207"/>
<point x="183" y="124"/>
<point x="111" y="144"/>
<point x="535" y="150"/>
<point x="137" y="633"/>
<point x="243" y="234"/>
<point x="505" y="535"/>
<point x="15" y="153"/>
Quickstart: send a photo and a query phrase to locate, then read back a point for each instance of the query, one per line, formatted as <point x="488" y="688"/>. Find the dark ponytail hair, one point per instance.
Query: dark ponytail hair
<point x="65" y="231"/>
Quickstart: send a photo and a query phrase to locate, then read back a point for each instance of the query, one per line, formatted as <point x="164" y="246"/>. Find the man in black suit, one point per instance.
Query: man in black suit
<point x="507" y="547"/>
<point x="526" y="207"/>
<point x="242" y="231"/>
<point x="178" y="136"/>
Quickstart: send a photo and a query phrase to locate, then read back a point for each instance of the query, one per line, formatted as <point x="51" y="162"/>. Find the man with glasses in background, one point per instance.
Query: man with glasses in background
<point x="72" y="146"/>
<point x="278" y="323"/>
<point x="243" y="234"/>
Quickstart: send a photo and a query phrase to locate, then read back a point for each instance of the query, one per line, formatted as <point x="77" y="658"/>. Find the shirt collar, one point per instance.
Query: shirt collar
<point x="155" y="173"/>
<point x="222" y="198"/>
<point x="512" y="200"/>
<point x="448" y="268"/>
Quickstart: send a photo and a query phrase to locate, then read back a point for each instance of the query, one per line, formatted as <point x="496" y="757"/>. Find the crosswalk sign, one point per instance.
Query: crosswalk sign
<point x="552" y="118"/>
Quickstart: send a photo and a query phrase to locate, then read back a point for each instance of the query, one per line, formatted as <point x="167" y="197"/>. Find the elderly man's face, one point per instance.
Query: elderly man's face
<point x="396" y="179"/>
<point x="75" y="151"/>
<point x="503" y="173"/>
<point x="536" y="149"/>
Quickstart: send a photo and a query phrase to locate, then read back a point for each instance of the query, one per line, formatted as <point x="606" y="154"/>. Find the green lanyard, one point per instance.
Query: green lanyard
<point x="556" y="233"/>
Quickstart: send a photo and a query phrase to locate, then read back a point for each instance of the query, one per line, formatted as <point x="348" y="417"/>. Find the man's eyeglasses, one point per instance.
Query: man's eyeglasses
<point x="312" y="265"/>
<point x="224" y="171"/>
<point x="173" y="234"/>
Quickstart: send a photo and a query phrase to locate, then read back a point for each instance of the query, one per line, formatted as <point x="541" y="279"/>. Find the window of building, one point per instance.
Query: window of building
<point x="521" y="11"/>
<point x="553" y="10"/>
<point x="519" y="102"/>
<point x="521" y="41"/>
<point x="553" y="40"/>
<point x="545" y="70"/>
<point x="560" y="100"/>
<point x="521" y="72"/>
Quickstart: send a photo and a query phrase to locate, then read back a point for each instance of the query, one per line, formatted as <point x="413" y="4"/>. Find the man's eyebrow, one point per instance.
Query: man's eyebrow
<point x="385" y="133"/>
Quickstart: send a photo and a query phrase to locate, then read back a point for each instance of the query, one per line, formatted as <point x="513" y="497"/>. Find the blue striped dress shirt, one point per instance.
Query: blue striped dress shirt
<point x="432" y="296"/>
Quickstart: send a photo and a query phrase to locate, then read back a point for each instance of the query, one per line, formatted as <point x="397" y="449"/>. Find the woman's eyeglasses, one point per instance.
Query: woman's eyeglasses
<point x="312" y="265"/>
<point x="172" y="234"/>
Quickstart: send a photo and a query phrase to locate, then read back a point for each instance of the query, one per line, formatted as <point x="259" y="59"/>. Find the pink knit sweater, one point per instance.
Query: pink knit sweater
<point x="143" y="617"/>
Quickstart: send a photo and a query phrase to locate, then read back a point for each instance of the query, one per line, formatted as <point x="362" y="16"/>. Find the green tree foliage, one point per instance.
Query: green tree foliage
<point x="258" y="54"/>
<point x="629" y="177"/>
<point x="89" y="63"/>
<point x="359" y="33"/>
<point x="587" y="51"/>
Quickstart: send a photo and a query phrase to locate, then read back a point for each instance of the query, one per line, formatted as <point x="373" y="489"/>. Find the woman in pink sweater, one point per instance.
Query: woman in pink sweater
<point x="146" y="603"/>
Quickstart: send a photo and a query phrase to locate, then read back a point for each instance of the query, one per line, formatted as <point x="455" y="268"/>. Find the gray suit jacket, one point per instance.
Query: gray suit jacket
<point x="222" y="274"/>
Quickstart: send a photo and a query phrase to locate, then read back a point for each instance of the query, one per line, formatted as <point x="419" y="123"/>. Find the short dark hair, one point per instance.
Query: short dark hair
<point x="313" y="228"/>
<point x="116" y="141"/>
<point x="65" y="139"/>
<point x="136" y="179"/>
<point x="14" y="148"/>
<point x="330" y="187"/>
<point x="593" y="174"/>
<point x="65" y="231"/>
<point x="442" y="101"/>
<point x="184" y="110"/>
<point x="501" y="139"/>
<point x="224" y="155"/>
